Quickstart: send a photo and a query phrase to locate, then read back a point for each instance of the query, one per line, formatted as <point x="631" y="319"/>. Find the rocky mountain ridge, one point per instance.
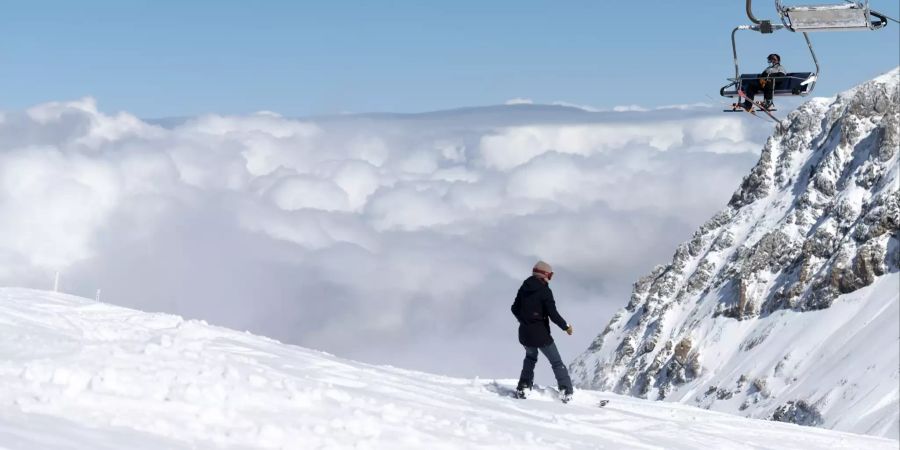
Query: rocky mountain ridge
<point x="762" y="312"/>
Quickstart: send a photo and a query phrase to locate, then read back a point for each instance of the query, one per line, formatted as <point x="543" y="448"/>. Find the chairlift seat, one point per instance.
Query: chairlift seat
<point x="790" y="84"/>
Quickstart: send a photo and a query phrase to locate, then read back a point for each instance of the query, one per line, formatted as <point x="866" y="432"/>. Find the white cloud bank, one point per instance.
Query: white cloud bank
<point x="519" y="101"/>
<point x="392" y="239"/>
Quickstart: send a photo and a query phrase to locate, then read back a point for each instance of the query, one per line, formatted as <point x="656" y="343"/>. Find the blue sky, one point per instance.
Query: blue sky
<point x="168" y="58"/>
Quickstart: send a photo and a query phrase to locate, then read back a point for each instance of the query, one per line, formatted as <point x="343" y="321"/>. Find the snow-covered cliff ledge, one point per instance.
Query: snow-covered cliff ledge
<point x="784" y="305"/>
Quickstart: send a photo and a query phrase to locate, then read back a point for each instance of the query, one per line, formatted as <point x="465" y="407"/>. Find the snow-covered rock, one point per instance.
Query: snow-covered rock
<point x="784" y="305"/>
<point x="77" y="374"/>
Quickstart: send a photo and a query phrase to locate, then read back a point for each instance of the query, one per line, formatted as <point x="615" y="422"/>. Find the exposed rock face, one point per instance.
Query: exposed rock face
<point x="798" y="412"/>
<point x="799" y="256"/>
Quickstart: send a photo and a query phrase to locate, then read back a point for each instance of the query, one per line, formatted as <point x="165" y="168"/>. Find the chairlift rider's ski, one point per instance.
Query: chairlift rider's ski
<point x="736" y="107"/>
<point x="758" y="105"/>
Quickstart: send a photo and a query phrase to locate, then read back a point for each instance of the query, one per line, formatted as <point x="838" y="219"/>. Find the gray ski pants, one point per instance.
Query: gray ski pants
<point x="526" y="379"/>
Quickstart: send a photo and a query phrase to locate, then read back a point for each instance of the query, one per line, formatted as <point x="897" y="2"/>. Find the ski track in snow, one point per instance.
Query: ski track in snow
<point x="75" y="373"/>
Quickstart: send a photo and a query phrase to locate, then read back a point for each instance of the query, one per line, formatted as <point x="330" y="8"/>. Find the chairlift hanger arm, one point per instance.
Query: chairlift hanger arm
<point x="737" y="70"/>
<point x="810" y="77"/>
<point x="765" y="26"/>
<point x="750" y="13"/>
<point x="811" y="52"/>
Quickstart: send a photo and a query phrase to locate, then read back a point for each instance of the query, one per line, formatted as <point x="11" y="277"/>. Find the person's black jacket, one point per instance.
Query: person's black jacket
<point x="534" y="308"/>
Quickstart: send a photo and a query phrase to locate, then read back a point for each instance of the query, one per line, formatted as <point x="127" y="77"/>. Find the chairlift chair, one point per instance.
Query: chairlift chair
<point x="848" y="16"/>
<point x="791" y="84"/>
<point x="794" y="83"/>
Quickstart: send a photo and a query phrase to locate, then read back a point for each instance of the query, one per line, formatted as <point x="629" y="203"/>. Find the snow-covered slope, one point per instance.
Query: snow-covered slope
<point x="784" y="305"/>
<point x="75" y="373"/>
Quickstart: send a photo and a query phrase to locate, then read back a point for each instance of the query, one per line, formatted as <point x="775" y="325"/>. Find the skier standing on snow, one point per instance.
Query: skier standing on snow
<point x="765" y="83"/>
<point x="534" y="308"/>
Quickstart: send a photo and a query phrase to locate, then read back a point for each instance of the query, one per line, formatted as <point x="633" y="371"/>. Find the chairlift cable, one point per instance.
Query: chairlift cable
<point x="890" y="18"/>
<point x="880" y="13"/>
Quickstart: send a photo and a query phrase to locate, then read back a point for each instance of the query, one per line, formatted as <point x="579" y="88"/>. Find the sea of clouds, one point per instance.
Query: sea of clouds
<point x="388" y="238"/>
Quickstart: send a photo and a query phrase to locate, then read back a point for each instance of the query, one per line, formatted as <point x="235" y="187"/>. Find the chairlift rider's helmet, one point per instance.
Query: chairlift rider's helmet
<point x="774" y="58"/>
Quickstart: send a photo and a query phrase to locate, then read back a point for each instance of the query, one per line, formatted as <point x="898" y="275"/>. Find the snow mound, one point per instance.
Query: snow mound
<point x="75" y="373"/>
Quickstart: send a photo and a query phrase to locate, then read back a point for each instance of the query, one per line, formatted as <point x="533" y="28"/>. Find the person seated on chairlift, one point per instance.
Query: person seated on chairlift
<point x="765" y="83"/>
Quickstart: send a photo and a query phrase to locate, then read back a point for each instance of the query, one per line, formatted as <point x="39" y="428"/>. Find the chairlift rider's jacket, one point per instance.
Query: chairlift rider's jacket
<point x="774" y="70"/>
<point x="534" y="307"/>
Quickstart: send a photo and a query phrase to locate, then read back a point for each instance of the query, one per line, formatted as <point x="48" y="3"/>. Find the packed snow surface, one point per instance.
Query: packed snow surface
<point x="75" y="373"/>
